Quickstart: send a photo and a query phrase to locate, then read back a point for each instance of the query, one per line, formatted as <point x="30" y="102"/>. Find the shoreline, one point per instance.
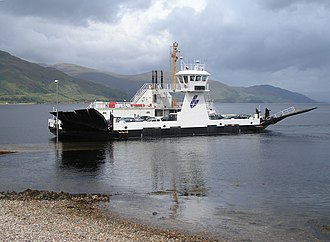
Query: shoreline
<point x="4" y="152"/>
<point x="43" y="215"/>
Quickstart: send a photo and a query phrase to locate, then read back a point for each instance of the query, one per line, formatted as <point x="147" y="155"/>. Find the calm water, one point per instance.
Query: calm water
<point x="269" y="186"/>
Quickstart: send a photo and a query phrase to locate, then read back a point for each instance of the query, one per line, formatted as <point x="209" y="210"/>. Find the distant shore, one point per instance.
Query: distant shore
<point x="3" y="152"/>
<point x="41" y="215"/>
<point x="13" y="103"/>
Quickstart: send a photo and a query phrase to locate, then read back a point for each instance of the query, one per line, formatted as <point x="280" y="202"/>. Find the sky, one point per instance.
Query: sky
<point x="284" y="43"/>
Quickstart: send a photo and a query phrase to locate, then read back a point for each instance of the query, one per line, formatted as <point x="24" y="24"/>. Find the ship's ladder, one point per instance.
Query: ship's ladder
<point x="140" y="93"/>
<point x="283" y="112"/>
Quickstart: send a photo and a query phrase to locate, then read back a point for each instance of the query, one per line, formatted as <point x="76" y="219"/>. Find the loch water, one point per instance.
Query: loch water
<point x="272" y="186"/>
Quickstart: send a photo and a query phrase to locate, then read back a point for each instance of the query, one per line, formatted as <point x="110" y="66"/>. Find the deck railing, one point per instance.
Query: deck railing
<point x="140" y="93"/>
<point x="157" y="86"/>
<point x="283" y="112"/>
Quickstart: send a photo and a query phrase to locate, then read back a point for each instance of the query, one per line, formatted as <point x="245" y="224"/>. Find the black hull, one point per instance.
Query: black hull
<point x="201" y="131"/>
<point x="82" y="135"/>
<point x="157" y="132"/>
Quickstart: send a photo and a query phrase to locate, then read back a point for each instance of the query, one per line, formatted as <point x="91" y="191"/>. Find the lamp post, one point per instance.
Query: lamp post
<point x="56" y="82"/>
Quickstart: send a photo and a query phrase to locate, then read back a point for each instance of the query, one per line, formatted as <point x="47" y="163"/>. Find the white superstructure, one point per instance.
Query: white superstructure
<point x="194" y="112"/>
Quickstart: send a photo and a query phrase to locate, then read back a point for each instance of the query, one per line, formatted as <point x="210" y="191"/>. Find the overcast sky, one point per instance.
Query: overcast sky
<point x="285" y="43"/>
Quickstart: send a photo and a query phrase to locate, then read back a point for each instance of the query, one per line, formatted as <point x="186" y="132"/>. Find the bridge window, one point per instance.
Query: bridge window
<point x="180" y="79"/>
<point x="185" y="78"/>
<point x="204" y="78"/>
<point x="192" y="78"/>
<point x="198" y="78"/>
<point x="197" y="88"/>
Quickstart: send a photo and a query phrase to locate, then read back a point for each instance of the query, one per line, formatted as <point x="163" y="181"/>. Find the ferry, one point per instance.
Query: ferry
<point x="155" y="112"/>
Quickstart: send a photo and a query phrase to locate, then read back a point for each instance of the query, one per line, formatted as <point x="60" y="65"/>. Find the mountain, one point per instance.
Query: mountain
<point x="127" y="83"/>
<point x="271" y="94"/>
<point x="255" y="94"/>
<point x="220" y="92"/>
<point x="22" y="81"/>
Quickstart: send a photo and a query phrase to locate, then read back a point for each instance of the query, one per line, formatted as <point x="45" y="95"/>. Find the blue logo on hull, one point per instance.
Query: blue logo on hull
<point x="194" y="101"/>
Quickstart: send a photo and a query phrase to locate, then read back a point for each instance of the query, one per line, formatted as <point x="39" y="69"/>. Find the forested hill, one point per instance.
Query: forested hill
<point x="24" y="82"/>
<point x="255" y="94"/>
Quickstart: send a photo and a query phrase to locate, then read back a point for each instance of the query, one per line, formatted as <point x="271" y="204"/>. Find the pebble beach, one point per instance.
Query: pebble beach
<point x="49" y="216"/>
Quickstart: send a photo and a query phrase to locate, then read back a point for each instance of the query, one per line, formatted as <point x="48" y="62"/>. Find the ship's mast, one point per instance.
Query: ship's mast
<point x="174" y="50"/>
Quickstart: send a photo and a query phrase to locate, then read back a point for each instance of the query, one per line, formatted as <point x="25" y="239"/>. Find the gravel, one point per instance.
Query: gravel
<point x="38" y="217"/>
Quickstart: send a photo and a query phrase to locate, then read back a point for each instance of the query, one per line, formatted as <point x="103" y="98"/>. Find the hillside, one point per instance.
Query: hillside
<point x="255" y="94"/>
<point x="22" y="81"/>
<point x="220" y="92"/>
<point x="271" y="94"/>
<point x="127" y="83"/>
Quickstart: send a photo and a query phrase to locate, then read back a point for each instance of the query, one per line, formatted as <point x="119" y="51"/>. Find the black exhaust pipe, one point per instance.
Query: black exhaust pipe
<point x="161" y="79"/>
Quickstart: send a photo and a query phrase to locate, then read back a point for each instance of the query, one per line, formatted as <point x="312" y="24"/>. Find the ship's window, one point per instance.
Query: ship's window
<point x="198" y="78"/>
<point x="199" y="88"/>
<point x="185" y="79"/>
<point x="204" y="78"/>
<point x="192" y="78"/>
<point x="180" y="79"/>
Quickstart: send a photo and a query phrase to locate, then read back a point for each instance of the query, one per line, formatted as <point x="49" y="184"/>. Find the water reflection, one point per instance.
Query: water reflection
<point x="172" y="167"/>
<point x="177" y="169"/>
<point x="83" y="157"/>
<point x="82" y="160"/>
<point x="150" y="166"/>
<point x="178" y="165"/>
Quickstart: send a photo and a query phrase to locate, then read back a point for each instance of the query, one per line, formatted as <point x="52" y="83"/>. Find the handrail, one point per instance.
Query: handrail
<point x="139" y="93"/>
<point x="155" y="86"/>
<point x="283" y="112"/>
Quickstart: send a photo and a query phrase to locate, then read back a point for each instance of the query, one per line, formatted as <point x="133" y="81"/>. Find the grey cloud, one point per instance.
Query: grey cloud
<point x="74" y="12"/>
<point x="282" y="4"/>
<point x="264" y="42"/>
